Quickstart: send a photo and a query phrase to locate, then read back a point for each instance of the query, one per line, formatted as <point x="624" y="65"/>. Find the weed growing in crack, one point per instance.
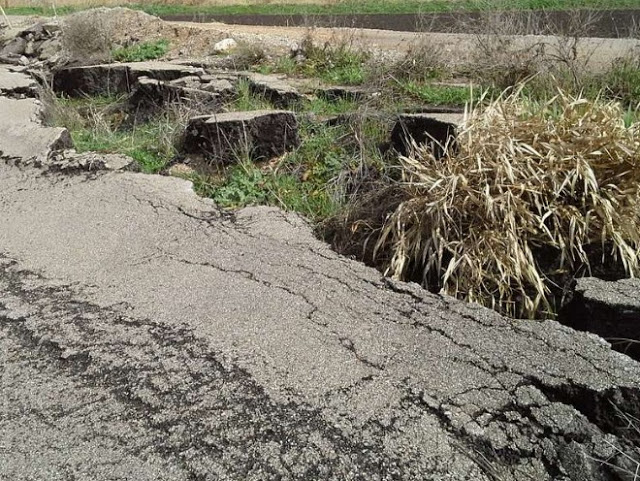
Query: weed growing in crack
<point x="245" y="100"/>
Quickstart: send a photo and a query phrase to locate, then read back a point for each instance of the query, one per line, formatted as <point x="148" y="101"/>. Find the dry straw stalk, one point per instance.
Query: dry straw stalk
<point x="525" y="198"/>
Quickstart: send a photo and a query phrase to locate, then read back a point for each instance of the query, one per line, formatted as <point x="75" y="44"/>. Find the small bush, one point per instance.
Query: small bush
<point x="334" y="62"/>
<point x="141" y="51"/>
<point x="529" y="196"/>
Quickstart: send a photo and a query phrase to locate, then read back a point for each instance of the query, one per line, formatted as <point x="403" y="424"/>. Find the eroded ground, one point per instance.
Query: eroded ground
<point x="147" y="333"/>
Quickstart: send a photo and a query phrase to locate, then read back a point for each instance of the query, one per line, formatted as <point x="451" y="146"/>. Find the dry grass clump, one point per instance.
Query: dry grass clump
<point x="87" y="36"/>
<point x="506" y="53"/>
<point x="531" y="193"/>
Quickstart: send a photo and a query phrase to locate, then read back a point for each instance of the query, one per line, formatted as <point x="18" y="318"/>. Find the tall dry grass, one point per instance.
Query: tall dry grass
<point x="529" y="195"/>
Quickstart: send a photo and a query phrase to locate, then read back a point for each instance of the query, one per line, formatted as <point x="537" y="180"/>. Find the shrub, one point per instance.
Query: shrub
<point x="529" y="196"/>
<point x="336" y="62"/>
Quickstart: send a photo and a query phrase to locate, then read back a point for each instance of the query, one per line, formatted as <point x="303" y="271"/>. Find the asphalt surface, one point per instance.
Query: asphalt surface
<point x="145" y="334"/>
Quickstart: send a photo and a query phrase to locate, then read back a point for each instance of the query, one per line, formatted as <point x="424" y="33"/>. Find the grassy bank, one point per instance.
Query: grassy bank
<point x="344" y="7"/>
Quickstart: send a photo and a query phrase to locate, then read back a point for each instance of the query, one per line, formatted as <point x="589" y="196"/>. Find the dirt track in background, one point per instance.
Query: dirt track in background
<point x="597" y="53"/>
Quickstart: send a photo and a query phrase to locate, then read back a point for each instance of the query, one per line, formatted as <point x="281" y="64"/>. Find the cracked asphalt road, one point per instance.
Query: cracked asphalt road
<point x="145" y="334"/>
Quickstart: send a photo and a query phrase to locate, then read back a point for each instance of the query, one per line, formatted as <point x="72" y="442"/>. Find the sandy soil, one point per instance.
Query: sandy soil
<point x="596" y="53"/>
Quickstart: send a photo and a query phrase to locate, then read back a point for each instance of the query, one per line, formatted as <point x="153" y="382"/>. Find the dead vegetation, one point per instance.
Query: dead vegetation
<point x="528" y="196"/>
<point x="87" y="37"/>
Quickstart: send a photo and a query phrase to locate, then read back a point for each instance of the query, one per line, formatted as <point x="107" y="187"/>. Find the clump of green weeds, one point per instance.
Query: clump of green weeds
<point x="623" y="81"/>
<point x="101" y="124"/>
<point x="435" y="94"/>
<point x="336" y="62"/>
<point x="315" y="179"/>
<point x="140" y="52"/>
<point x="244" y="99"/>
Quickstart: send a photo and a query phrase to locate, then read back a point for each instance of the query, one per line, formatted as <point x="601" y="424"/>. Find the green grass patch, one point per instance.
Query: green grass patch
<point x="140" y="52"/>
<point x="320" y="106"/>
<point x="337" y="63"/>
<point x="439" y="94"/>
<point x="623" y="82"/>
<point x="311" y="180"/>
<point x="245" y="99"/>
<point x="247" y="184"/>
<point x="140" y="143"/>
<point x="97" y="124"/>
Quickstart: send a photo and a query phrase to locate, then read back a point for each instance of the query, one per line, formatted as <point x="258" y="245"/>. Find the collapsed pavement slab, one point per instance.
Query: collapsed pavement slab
<point x="433" y="129"/>
<point x="336" y="93"/>
<point x="273" y="88"/>
<point x="14" y="82"/>
<point x="116" y="78"/>
<point x="21" y="138"/>
<point x="224" y="138"/>
<point x="610" y="309"/>
<point x="130" y="306"/>
<point x="151" y="96"/>
<point x="22" y="135"/>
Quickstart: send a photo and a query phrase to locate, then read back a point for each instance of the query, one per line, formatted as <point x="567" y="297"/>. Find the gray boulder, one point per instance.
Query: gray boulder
<point x="50" y="48"/>
<point x="260" y="134"/>
<point x="16" y="46"/>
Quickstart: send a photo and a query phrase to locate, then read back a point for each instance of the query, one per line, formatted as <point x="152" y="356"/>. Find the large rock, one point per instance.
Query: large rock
<point x="109" y="79"/>
<point x="261" y="134"/>
<point x="14" y="47"/>
<point x="609" y="309"/>
<point x="433" y="129"/>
